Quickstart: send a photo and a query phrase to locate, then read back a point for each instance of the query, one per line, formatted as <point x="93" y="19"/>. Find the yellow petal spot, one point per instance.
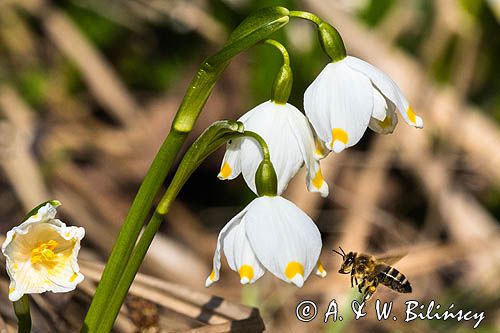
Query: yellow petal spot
<point x="318" y="179"/>
<point x="293" y="268"/>
<point x="212" y="275"/>
<point x="411" y="115"/>
<point x="11" y="290"/>
<point x="246" y="271"/>
<point x="339" y="134"/>
<point x="372" y="289"/>
<point x="44" y="252"/>
<point x="73" y="277"/>
<point x="226" y="170"/>
<point x="14" y="236"/>
<point x="319" y="147"/>
<point x="321" y="269"/>
<point x="15" y="267"/>
<point x="386" y="123"/>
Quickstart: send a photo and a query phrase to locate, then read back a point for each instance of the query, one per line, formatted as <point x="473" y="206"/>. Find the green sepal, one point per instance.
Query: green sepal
<point x="266" y="180"/>
<point x="282" y="85"/>
<point x="255" y="28"/>
<point x="54" y="203"/>
<point x="331" y="42"/>
<point x="210" y="140"/>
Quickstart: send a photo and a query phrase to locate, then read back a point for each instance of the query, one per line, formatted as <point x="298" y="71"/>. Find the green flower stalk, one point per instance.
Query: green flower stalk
<point x="252" y="30"/>
<point x="22" y="310"/>
<point x="216" y="135"/>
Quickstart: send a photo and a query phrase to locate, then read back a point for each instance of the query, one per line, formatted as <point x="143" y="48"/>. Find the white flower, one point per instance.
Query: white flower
<point x="42" y="255"/>
<point x="291" y="143"/>
<point x="348" y="96"/>
<point x="272" y="234"/>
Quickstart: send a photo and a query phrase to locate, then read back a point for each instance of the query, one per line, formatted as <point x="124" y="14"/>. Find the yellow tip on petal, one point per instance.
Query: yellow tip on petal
<point x="11" y="290"/>
<point x="318" y="179"/>
<point x="320" y="271"/>
<point x="73" y="277"/>
<point x="320" y="151"/>
<point x="340" y="135"/>
<point x="411" y="115"/>
<point x="246" y="271"/>
<point x="225" y="171"/>
<point x="212" y="275"/>
<point x="293" y="268"/>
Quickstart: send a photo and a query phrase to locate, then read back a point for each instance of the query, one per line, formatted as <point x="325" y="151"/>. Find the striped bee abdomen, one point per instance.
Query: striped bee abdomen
<point x="392" y="278"/>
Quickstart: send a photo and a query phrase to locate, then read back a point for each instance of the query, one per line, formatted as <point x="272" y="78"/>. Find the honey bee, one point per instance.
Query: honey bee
<point x="367" y="272"/>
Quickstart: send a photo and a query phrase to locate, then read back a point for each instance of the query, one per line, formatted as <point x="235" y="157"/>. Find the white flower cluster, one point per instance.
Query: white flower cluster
<point x="271" y="233"/>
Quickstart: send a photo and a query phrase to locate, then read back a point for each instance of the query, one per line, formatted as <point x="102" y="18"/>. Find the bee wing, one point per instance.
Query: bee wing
<point x="391" y="259"/>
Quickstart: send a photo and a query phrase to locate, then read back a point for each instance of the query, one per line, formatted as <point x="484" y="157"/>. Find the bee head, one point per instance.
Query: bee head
<point x="348" y="261"/>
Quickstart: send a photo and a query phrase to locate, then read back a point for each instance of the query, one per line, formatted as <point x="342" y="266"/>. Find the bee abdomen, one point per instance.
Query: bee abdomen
<point x="392" y="278"/>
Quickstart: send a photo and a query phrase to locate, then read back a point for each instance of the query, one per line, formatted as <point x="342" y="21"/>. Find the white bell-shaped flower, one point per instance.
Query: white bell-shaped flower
<point x="272" y="234"/>
<point x="42" y="255"/>
<point x="348" y="96"/>
<point x="291" y="143"/>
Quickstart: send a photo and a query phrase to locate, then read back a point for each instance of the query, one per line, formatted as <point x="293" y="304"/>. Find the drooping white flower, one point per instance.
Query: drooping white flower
<point x="348" y="96"/>
<point x="291" y="142"/>
<point x="273" y="234"/>
<point x="42" y="255"/>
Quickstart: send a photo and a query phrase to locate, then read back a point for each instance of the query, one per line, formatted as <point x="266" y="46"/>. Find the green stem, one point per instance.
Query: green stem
<point x="22" y="310"/>
<point x="281" y="48"/>
<point x="140" y="250"/>
<point x="251" y="31"/>
<point x="260" y="141"/>
<point x="306" y="16"/>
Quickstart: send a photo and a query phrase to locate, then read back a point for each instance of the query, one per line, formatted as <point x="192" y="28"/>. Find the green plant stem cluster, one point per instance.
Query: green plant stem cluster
<point x="128" y="253"/>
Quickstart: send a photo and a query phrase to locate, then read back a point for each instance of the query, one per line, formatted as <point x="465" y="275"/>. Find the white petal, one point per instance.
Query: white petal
<point x="305" y="141"/>
<point x="214" y="276"/>
<point x="386" y="126"/>
<point x="339" y="104"/>
<point x="269" y="120"/>
<point x="240" y="256"/>
<point x="231" y="165"/>
<point x="388" y="87"/>
<point x="285" y="240"/>
<point x="379" y="105"/>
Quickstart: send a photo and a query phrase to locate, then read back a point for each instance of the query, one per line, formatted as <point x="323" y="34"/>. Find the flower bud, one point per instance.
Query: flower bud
<point x="265" y="179"/>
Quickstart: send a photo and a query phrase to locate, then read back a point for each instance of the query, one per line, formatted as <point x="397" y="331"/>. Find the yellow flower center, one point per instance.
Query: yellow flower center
<point x="44" y="253"/>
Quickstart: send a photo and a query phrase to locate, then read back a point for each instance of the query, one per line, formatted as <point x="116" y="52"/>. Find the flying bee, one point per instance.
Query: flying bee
<point x="367" y="272"/>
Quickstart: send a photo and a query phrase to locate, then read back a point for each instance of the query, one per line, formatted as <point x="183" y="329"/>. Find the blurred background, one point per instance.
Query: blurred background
<point x="88" y="90"/>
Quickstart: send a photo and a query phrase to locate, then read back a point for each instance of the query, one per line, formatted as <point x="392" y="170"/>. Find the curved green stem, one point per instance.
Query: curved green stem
<point x="22" y="310"/>
<point x="260" y="141"/>
<point x="280" y="47"/>
<point x="306" y="16"/>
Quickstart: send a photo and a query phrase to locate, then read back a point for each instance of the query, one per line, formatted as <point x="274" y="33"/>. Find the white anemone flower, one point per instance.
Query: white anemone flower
<point x="272" y="234"/>
<point x="291" y="143"/>
<point x="42" y="255"/>
<point x="348" y="96"/>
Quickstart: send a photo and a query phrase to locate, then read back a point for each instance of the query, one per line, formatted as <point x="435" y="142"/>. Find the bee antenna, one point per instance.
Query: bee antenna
<point x="339" y="253"/>
<point x="342" y="250"/>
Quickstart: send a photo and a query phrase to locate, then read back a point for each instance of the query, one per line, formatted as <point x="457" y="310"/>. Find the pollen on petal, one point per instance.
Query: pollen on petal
<point x="320" y="271"/>
<point x="225" y="171"/>
<point x="318" y="179"/>
<point x="246" y="274"/>
<point x="293" y="268"/>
